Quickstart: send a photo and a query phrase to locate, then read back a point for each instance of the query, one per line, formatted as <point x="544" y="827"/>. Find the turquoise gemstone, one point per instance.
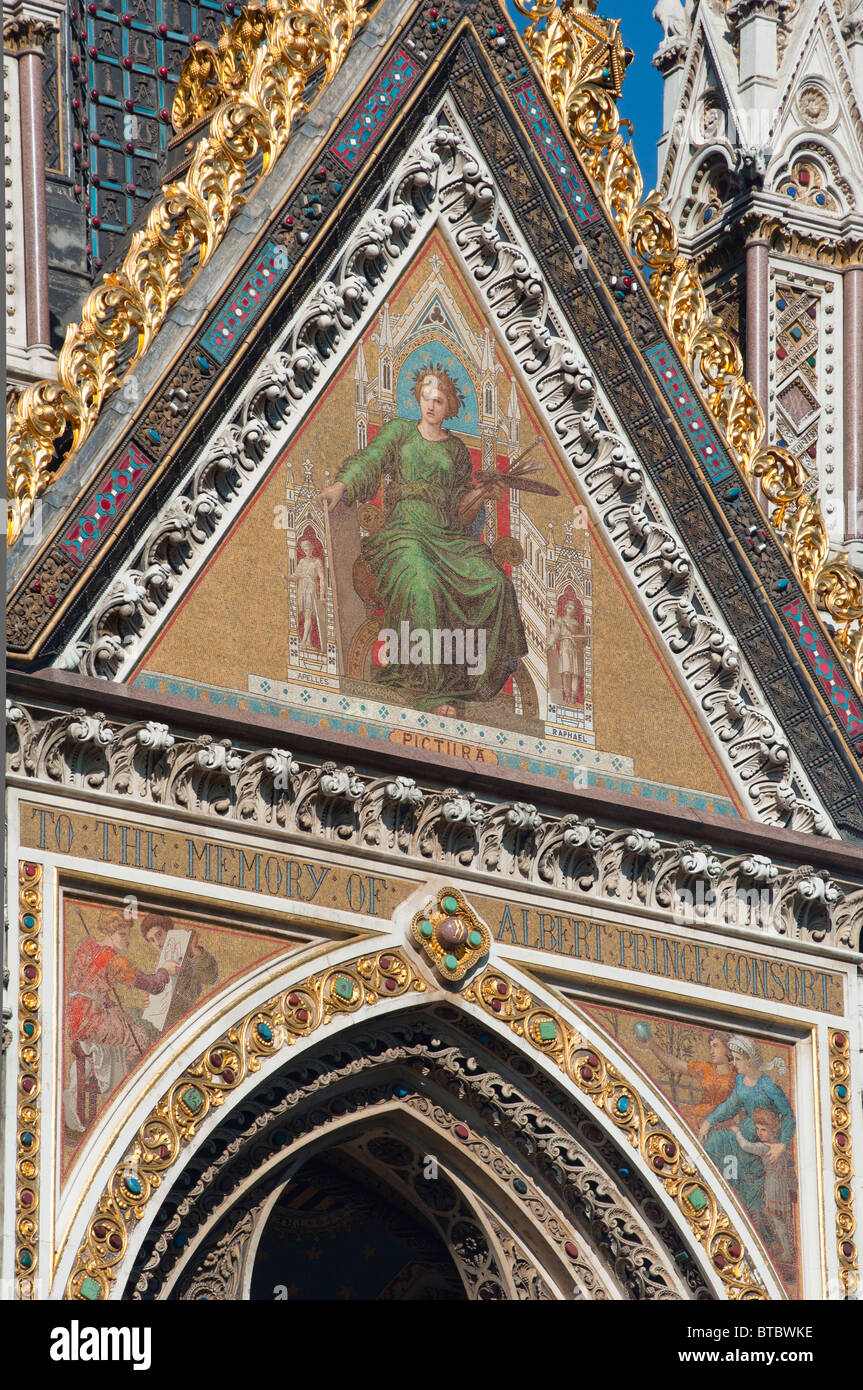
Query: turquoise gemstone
<point x="841" y="1092"/>
<point x="547" y="1030"/>
<point x="29" y="920"/>
<point x="474" y="939"/>
<point x="450" y="905"/>
<point x="451" y="963"/>
<point x="90" y="1289"/>
<point x="132" y="1186"/>
<point x="265" y="1033"/>
<point x="29" y="1029"/>
<point x="622" y="1105"/>
<point x="520" y="1186"/>
<point x="697" y="1200"/>
<point x="25" y="1259"/>
<point x="426" y="929"/>
<point x="155" y="436"/>
<point x="26" y="1139"/>
<point x="845" y="1193"/>
<point x="192" y="1099"/>
<point x="344" y="988"/>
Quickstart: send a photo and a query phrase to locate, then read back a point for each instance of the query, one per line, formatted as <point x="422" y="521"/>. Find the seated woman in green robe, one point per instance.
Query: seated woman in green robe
<point x="431" y="572"/>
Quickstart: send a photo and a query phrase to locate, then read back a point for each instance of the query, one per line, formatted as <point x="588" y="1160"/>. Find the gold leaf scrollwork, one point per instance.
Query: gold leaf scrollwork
<point x="253" y="83"/>
<point x="582" y="60"/>
<point x="843" y="1167"/>
<point x="29" y="1081"/>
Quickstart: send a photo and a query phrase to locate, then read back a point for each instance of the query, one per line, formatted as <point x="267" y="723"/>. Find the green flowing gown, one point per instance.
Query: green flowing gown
<point x="431" y="572"/>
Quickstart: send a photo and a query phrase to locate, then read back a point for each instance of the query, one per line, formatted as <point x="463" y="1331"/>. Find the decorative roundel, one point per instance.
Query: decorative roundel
<point x="450" y="935"/>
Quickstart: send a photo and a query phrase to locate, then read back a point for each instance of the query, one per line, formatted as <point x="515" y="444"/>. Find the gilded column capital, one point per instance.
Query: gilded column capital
<point x="26" y="34"/>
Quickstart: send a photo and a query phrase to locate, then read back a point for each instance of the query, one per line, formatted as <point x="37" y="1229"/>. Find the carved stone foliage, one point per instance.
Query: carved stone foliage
<point x="443" y="179"/>
<point x="529" y="1155"/>
<point x="219" y="1275"/>
<point x="693" y="884"/>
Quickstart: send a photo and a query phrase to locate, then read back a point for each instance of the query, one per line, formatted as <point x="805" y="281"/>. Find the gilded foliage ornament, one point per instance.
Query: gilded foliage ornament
<point x="254" y="85"/>
<point x="581" y="60"/>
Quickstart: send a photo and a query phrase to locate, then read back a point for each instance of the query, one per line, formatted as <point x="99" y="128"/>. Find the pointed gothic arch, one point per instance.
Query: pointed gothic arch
<point x="542" y="1126"/>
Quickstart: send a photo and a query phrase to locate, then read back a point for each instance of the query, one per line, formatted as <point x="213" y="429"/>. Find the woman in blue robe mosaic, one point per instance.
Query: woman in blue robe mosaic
<point x="753" y="1090"/>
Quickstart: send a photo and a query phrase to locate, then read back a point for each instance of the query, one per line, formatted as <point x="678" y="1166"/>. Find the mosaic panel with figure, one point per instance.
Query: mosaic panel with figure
<point x="737" y="1095"/>
<point x="130" y="977"/>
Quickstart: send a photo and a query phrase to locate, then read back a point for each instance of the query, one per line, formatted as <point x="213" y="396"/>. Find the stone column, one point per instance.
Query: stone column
<point x="757" y="305"/>
<point x="669" y="59"/>
<point x="852" y="399"/>
<point x="23" y="37"/>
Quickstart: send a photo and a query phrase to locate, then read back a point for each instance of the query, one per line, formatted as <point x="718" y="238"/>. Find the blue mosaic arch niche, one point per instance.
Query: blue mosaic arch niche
<point x="438" y="354"/>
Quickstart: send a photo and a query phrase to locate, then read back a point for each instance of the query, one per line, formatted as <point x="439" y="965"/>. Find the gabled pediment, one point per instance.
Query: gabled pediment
<point x="661" y="640"/>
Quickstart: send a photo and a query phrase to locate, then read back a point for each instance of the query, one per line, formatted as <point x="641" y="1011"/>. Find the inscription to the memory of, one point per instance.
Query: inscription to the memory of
<point x="203" y="860"/>
<point x="277" y="875"/>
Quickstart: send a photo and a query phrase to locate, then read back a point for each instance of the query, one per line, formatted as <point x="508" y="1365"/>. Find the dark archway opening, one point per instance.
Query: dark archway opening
<point x="333" y="1236"/>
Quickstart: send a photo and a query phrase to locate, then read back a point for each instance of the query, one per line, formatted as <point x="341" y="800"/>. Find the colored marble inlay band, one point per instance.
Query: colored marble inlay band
<point x="689" y="412"/>
<point x="213" y="696"/>
<point x="246" y="302"/>
<point x="367" y="121"/>
<point x="559" y="159"/>
<point x="108" y="499"/>
<point x="841" y="697"/>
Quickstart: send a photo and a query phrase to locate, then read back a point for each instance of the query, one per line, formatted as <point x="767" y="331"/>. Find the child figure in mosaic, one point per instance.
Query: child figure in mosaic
<point x="776" y="1217"/>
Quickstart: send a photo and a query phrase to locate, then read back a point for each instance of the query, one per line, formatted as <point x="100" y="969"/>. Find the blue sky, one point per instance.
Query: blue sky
<point x="642" y="89"/>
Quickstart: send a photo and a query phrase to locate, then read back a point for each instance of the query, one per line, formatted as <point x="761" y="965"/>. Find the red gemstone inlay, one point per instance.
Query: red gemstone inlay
<point x="229" y="1075"/>
<point x="592" y="1059"/>
<point x="385" y="962"/>
<point x="30" y="870"/>
<point x="293" y="999"/>
<point x="496" y="1005"/>
<point x="461" y="1132"/>
<point x="501" y="987"/>
<point x="215" y="1060"/>
<point x="719" y="1261"/>
<point x="390" y="984"/>
<point x="847" y="1249"/>
<point x="99" y="1231"/>
<point x="302" y="1016"/>
<point x="735" y="1250"/>
<point x="115" y="1240"/>
<point x="28" y="1084"/>
<point x="841" y="1140"/>
<point x="26" y="1198"/>
<point x="571" y="1250"/>
<point x="586" y="1074"/>
<point x="29" y="972"/>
